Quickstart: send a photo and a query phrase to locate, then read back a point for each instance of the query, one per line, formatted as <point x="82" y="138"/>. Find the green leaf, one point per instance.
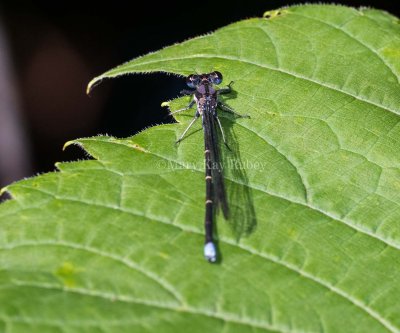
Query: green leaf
<point x="114" y="244"/>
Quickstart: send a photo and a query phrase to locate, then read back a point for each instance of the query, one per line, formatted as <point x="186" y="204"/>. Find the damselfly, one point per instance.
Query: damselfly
<point x="205" y="96"/>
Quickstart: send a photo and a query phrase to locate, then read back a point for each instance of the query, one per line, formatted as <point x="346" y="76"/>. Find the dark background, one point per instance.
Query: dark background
<point x="53" y="49"/>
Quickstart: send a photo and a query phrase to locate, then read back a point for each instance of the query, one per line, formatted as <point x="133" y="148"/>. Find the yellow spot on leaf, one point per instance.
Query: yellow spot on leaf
<point x="67" y="273"/>
<point x="391" y="52"/>
<point x="163" y="255"/>
<point x="270" y="14"/>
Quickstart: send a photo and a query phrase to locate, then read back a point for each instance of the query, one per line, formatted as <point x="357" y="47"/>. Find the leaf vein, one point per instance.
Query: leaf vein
<point x="341" y="29"/>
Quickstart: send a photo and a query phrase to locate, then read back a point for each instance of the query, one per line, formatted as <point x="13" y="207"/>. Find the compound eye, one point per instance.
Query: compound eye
<point x="192" y="80"/>
<point x="216" y="77"/>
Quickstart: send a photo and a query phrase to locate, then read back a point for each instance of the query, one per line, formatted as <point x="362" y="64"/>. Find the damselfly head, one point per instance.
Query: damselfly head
<point x="193" y="80"/>
<point x="215" y="77"/>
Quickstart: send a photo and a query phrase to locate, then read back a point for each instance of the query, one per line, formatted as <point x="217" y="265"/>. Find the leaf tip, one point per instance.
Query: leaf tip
<point x="3" y="190"/>
<point x="70" y="143"/>
<point x="93" y="83"/>
<point x="57" y="164"/>
<point x="165" y="104"/>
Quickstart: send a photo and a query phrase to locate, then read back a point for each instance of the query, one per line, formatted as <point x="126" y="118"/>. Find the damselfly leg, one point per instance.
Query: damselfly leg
<point x="196" y="116"/>
<point x="190" y="105"/>
<point x="227" y="109"/>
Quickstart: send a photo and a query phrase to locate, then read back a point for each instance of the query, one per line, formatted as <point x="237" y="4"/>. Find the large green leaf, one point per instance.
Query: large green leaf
<point x="114" y="244"/>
